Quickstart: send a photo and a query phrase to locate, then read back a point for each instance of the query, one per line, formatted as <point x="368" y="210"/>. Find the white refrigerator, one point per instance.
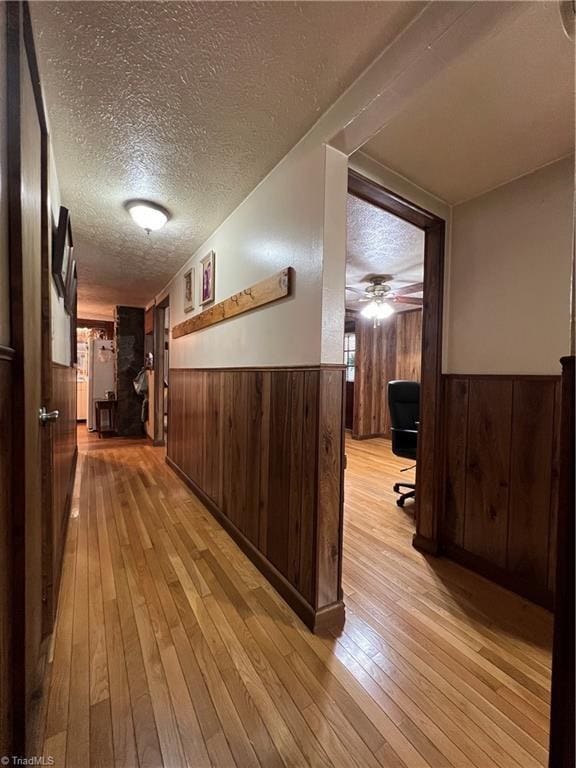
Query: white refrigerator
<point x="101" y="374"/>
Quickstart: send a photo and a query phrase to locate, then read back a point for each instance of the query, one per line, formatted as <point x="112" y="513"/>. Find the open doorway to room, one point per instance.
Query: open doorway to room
<point x="161" y="369"/>
<point x="95" y="370"/>
<point x="383" y="341"/>
<point x="395" y="250"/>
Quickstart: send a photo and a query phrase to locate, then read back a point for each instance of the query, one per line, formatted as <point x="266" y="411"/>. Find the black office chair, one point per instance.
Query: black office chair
<point x="404" y="405"/>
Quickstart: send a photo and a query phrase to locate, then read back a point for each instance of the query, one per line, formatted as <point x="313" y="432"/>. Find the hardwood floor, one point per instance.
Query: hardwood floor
<point x="172" y="650"/>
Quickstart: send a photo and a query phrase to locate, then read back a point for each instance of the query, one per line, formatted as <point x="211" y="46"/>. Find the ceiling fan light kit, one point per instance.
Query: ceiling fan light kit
<point x="377" y="310"/>
<point x="379" y="296"/>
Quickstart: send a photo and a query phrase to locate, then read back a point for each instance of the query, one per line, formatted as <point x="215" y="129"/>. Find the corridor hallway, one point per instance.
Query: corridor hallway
<point x="171" y="649"/>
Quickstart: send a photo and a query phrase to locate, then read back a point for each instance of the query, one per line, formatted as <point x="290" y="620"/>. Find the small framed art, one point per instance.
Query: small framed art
<point x="189" y="290"/>
<point x="208" y="266"/>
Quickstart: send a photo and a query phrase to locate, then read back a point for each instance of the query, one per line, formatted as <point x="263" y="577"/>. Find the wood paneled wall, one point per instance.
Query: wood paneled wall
<point x="64" y="454"/>
<point x="263" y="448"/>
<point x="390" y="351"/>
<point x="6" y="617"/>
<point x="501" y="478"/>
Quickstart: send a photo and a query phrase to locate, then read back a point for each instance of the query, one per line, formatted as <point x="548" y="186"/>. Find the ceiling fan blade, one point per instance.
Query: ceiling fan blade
<point x="409" y="300"/>
<point x="414" y="288"/>
<point x="354" y="290"/>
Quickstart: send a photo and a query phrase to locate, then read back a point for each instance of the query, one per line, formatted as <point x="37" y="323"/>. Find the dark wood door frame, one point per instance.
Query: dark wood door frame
<point x="429" y="461"/>
<point x="562" y="703"/>
<point x="159" y="373"/>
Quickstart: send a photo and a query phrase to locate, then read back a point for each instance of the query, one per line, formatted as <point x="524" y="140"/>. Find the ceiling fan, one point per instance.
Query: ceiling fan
<point x="380" y="296"/>
<point x="378" y="287"/>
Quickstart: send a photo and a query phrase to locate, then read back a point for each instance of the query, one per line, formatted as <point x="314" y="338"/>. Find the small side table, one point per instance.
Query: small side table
<point x="109" y="406"/>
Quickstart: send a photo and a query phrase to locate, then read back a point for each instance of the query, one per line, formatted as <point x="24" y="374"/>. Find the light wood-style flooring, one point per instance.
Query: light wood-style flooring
<point x="172" y="650"/>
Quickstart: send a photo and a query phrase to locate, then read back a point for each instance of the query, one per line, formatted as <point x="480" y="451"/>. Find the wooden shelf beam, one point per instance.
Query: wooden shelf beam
<point x="271" y="289"/>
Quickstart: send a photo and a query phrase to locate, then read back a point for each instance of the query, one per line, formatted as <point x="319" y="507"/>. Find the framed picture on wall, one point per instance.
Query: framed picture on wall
<point x="189" y="290"/>
<point x="62" y="251"/>
<point x="71" y="287"/>
<point x="208" y="266"/>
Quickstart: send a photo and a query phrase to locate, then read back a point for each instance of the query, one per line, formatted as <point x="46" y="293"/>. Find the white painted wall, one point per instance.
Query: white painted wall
<point x="279" y="225"/>
<point x="291" y="219"/>
<point x="509" y="283"/>
<point x="4" y="275"/>
<point x="507" y="270"/>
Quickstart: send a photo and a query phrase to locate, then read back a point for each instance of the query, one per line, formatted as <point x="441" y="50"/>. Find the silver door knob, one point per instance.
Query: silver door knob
<point x="45" y="415"/>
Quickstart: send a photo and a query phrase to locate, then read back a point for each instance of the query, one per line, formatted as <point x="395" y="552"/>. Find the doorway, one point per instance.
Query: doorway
<point x="161" y="370"/>
<point x="423" y="299"/>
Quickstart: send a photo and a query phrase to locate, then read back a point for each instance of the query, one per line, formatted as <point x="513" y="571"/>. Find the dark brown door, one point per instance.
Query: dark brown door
<point x="26" y="195"/>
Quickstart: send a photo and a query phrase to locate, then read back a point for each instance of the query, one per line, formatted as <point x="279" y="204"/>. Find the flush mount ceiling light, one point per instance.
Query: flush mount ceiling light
<point x="150" y="216"/>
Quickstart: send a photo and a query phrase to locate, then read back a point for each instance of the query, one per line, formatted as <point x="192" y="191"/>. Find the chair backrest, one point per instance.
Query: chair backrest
<point x="404" y="404"/>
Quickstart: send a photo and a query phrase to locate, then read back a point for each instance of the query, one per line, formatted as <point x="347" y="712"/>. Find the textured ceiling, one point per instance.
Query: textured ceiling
<point x="189" y="104"/>
<point x="504" y="109"/>
<point x="380" y="243"/>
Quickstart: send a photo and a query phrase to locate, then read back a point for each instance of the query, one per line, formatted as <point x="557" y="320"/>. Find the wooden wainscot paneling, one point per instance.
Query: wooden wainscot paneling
<point x="392" y="350"/>
<point x="271" y="289"/>
<point x="64" y="455"/>
<point x="263" y="450"/>
<point x="501" y="475"/>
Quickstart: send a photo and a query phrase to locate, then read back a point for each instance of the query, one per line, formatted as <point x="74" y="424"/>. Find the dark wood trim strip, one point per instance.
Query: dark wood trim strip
<point x="498" y="575"/>
<point x="504" y="376"/>
<point x="562" y="715"/>
<point x="376" y="194"/>
<point x="294" y="599"/>
<point x="7" y="353"/>
<point x="160" y="374"/>
<point x="429" y="478"/>
<point x="229" y="369"/>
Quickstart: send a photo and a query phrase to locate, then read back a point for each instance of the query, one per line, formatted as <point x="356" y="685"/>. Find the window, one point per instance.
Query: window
<point x="350" y="355"/>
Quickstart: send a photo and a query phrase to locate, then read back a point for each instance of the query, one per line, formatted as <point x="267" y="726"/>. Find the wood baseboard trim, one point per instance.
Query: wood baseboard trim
<point x="331" y="616"/>
<point x="370" y="437"/>
<point x="542" y="597"/>
<point x="424" y="544"/>
<point x="330" y="619"/>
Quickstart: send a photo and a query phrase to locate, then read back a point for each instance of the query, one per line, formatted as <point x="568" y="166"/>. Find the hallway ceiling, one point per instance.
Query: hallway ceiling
<point x="504" y="109"/>
<point x="187" y="104"/>
<point x="380" y="243"/>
